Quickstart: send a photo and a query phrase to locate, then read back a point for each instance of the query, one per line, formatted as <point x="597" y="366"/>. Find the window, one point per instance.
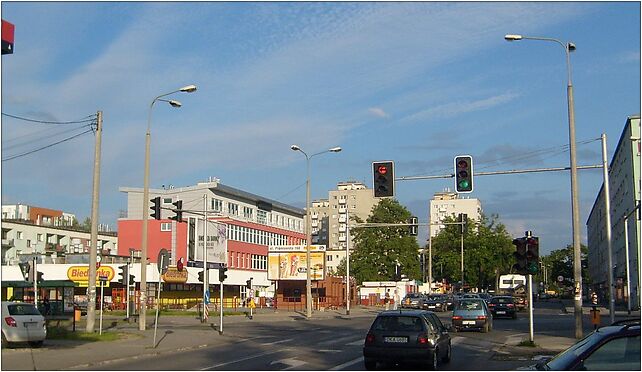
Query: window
<point x="217" y="205"/>
<point x="248" y="212"/>
<point x="20" y="235"/>
<point x="329" y="258"/>
<point x="261" y="217"/>
<point x="167" y="200"/>
<point x="620" y="354"/>
<point x="232" y="209"/>
<point x="166" y="226"/>
<point x="41" y="237"/>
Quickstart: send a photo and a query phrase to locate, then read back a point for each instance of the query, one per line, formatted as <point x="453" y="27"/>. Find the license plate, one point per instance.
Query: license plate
<point x="395" y="339"/>
<point x="431" y="306"/>
<point x="501" y="312"/>
<point x="468" y="322"/>
<point x="30" y="324"/>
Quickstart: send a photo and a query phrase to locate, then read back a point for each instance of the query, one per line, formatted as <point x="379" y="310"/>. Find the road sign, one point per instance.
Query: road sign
<point x="210" y="265"/>
<point x="560" y="278"/>
<point x="163" y="261"/>
<point x="207" y="297"/>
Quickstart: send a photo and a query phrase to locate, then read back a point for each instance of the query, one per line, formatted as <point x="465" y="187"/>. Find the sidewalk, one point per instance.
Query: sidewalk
<point x="620" y="310"/>
<point x="174" y="334"/>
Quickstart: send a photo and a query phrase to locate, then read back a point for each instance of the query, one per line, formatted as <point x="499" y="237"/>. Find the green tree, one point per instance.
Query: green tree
<point x="378" y="249"/>
<point x="487" y="252"/>
<point x="560" y="263"/>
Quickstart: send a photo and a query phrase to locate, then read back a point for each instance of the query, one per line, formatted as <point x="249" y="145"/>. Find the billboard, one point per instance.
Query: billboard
<point x="216" y="240"/>
<point x="288" y="262"/>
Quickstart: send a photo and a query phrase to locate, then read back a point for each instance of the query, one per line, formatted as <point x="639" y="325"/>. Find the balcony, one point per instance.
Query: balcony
<point x="8" y="243"/>
<point x="342" y="228"/>
<point x="343" y="219"/>
<point x="50" y="247"/>
<point x="342" y="238"/>
<point x="343" y="210"/>
<point x="343" y="201"/>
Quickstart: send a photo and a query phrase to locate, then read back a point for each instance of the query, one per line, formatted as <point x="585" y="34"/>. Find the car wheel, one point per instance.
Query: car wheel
<point x="5" y="343"/>
<point x="434" y="361"/>
<point x="370" y="364"/>
<point x="36" y="343"/>
<point x="446" y="358"/>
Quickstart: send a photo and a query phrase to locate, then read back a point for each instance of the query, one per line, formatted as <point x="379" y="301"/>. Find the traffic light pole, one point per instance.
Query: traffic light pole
<point x="35" y="281"/>
<point x="206" y="282"/>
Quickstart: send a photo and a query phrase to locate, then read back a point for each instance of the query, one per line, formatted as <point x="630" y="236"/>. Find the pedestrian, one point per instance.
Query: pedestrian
<point x="396" y="300"/>
<point x="386" y="300"/>
<point x="46" y="306"/>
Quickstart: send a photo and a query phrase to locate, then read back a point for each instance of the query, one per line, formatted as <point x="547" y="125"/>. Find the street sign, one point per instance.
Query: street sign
<point x="560" y="278"/>
<point x="163" y="261"/>
<point x="210" y="265"/>
<point x="207" y="297"/>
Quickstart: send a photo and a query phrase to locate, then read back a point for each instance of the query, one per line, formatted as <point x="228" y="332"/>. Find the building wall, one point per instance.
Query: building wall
<point x="624" y="189"/>
<point x="448" y="204"/>
<point x="37" y="215"/>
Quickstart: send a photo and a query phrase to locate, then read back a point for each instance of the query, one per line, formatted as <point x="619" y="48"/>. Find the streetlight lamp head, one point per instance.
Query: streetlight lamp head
<point x="335" y="149"/>
<point x="188" y="89"/>
<point x="295" y="148"/>
<point x="571" y="47"/>
<point x="175" y="103"/>
<point x="511" y="37"/>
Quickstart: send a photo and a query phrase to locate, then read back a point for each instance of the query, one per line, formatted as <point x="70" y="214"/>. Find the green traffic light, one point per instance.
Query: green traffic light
<point x="463" y="184"/>
<point x="532" y="268"/>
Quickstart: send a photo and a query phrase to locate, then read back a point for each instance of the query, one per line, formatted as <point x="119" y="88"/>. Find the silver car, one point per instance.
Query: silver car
<point x="472" y="313"/>
<point x="22" y="322"/>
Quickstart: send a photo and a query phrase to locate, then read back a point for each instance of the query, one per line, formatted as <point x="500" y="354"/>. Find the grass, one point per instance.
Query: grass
<point x="60" y="333"/>
<point x="178" y="313"/>
<point x="527" y="343"/>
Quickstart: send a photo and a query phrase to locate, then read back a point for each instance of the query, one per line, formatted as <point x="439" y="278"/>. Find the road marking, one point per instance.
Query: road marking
<point x="244" y="359"/>
<point x="359" y="342"/>
<point x="337" y="340"/>
<point x="329" y="351"/>
<point x="290" y="362"/>
<point x="346" y="364"/>
<point x="276" y="342"/>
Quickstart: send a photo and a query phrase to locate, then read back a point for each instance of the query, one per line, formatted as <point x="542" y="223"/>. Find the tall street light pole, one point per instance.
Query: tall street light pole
<point x="308" y="283"/>
<point x="575" y="203"/>
<point x="143" y="259"/>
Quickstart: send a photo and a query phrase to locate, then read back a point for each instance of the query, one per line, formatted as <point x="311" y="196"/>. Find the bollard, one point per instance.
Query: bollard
<point x="595" y="317"/>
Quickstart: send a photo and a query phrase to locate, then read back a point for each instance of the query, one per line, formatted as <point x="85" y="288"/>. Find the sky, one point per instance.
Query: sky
<point x="416" y="83"/>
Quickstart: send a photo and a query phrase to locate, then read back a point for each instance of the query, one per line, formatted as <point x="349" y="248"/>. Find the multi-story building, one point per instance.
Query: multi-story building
<point x="624" y="190"/>
<point x="37" y="215"/>
<point x="329" y="218"/>
<point x="449" y="204"/>
<point x="252" y="223"/>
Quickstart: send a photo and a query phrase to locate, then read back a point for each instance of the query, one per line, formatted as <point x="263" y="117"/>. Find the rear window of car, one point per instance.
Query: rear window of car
<point x="469" y="305"/>
<point x="398" y="323"/>
<point x="23" y="310"/>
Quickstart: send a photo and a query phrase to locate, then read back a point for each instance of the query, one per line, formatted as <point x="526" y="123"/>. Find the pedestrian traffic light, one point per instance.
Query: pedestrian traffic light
<point x="25" y="268"/>
<point x="123" y="274"/>
<point x="248" y="283"/>
<point x="200" y="276"/>
<point x="463" y="222"/>
<point x="156" y="208"/>
<point x="414" y="225"/>
<point x="221" y="274"/>
<point x="520" y="255"/>
<point x="383" y="179"/>
<point x="532" y="255"/>
<point x="464" y="174"/>
<point x="178" y="210"/>
<point x="39" y="276"/>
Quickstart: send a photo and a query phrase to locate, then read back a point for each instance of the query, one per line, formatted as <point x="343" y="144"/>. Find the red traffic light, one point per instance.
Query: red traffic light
<point x="179" y="264"/>
<point x="382" y="169"/>
<point x="462" y="164"/>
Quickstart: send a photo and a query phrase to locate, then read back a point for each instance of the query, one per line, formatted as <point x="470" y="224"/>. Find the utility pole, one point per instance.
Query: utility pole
<point x="93" y="248"/>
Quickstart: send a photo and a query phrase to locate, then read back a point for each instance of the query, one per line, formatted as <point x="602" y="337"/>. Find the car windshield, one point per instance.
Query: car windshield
<point x="397" y="323"/>
<point x="413" y="295"/>
<point x="469" y="305"/>
<point x="20" y="309"/>
<point x="562" y="360"/>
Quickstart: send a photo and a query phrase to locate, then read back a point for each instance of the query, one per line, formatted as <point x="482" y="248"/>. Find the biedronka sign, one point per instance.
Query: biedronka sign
<point x="80" y="275"/>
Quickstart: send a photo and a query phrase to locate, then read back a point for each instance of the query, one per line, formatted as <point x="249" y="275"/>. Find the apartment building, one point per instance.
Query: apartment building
<point x="37" y="215"/>
<point x="329" y="218"/>
<point x="450" y="204"/>
<point x="624" y="190"/>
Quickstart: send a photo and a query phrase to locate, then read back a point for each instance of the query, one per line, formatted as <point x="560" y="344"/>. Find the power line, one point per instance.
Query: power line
<point x="86" y="119"/>
<point x="42" y="135"/>
<point x="47" y="146"/>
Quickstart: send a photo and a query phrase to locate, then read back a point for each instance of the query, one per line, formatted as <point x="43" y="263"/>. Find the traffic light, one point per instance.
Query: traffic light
<point x="248" y="283"/>
<point x="520" y="255"/>
<point x="39" y="276"/>
<point x="463" y="219"/>
<point x="383" y="179"/>
<point x="221" y="274"/>
<point x="464" y="174"/>
<point x="156" y="208"/>
<point x="200" y="276"/>
<point x="132" y="280"/>
<point x="179" y="211"/>
<point x="180" y="264"/>
<point x="532" y="255"/>
<point x="414" y="225"/>
<point x="25" y="268"/>
<point x="123" y="274"/>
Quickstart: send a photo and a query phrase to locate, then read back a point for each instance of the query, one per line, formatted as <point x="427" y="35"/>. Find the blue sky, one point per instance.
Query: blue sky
<point x="417" y="83"/>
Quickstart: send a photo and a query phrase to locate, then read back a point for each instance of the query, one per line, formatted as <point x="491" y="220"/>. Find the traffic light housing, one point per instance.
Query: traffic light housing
<point x="463" y="219"/>
<point x="123" y="274"/>
<point x="39" y="276"/>
<point x="520" y="255"/>
<point x="532" y="255"/>
<point x="132" y="280"/>
<point x="383" y="179"/>
<point x="414" y="225"/>
<point x="200" y="276"/>
<point x="248" y="283"/>
<point x="178" y="210"/>
<point x="156" y="208"/>
<point x="221" y="274"/>
<point x="464" y="174"/>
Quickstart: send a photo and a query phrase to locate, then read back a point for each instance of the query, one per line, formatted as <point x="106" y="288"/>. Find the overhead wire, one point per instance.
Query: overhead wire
<point x="86" y="119"/>
<point x="42" y="135"/>
<point x="47" y="146"/>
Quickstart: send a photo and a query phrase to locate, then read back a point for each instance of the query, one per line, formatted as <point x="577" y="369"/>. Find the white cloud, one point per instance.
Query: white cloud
<point x="378" y="112"/>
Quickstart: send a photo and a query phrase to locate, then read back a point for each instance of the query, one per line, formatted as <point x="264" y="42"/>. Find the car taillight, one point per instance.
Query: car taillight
<point x="456" y="318"/>
<point x="481" y="317"/>
<point x="423" y="339"/>
<point x="10" y="321"/>
<point x="370" y="338"/>
<point x="510" y="305"/>
<point x="491" y="305"/>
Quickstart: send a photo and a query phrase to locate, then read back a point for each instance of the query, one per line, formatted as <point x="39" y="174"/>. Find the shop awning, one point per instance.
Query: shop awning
<point x="44" y="284"/>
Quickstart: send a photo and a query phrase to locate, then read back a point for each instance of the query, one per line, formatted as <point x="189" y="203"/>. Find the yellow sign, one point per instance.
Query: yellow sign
<point x="174" y="276"/>
<point x="292" y="265"/>
<point x="81" y="273"/>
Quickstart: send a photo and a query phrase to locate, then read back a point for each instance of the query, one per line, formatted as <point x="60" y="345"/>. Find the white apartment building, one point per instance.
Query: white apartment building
<point x="329" y="218"/>
<point x="450" y="204"/>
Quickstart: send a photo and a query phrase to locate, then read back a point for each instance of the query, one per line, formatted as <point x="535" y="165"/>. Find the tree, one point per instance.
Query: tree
<point x="377" y="250"/>
<point x="488" y="252"/>
<point x="560" y="263"/>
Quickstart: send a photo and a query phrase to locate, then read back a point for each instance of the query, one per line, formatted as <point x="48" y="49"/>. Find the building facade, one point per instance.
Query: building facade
<point x="329" y="218"/>
<point x="624" y="190"/>
<point x="449" y="204"/>
<point x="37" y="215"/>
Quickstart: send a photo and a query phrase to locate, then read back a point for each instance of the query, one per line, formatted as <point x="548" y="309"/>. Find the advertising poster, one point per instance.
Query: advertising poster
<point x="289" y="263"/>
<point x="216" y="242"/>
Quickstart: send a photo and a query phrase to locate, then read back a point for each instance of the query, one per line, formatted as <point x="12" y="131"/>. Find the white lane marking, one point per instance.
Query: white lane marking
<point x="244" y="359"/>
<point x="329" y="351"/>
<point x="456" y="340"/>
<point x="337" y="340"/>
<point x="276" y="342"/>
<point x="346" y="364"/>
<point x="290" y="362"/>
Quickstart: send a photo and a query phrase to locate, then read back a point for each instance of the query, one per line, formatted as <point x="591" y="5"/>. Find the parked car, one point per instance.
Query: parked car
<point x="469" y="295"/>
<point x="521" y="303"/>
<point x="413" y="301"/>
<point x="435" y="302"/>
<point x="472" y="313"/>
<point x="615" y="347"/>
<point x="485" y="296"/>
<point x="415" y="336"/>
<point x="503" y="306"/>
<point x="22" y="322"/>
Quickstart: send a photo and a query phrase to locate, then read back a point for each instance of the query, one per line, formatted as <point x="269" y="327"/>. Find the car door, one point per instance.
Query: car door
<point x="442" y="334"/>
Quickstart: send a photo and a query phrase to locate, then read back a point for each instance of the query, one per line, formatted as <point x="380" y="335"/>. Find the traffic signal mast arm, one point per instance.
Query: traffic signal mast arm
<point x="516" y="171"/>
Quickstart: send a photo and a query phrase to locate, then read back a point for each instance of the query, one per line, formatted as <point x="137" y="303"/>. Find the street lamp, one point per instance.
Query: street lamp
<point x="575" y="203"/>
<point x="145" y="210"/>
<point x="308" y="283"/>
